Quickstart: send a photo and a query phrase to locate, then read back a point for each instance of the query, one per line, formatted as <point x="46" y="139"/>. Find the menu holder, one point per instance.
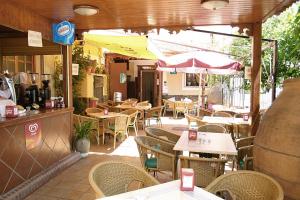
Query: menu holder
<point x="192" y="134"/>
<point x="187" y="180"/>
<point x="245" y="117"/>
<point x="105" y="112"/>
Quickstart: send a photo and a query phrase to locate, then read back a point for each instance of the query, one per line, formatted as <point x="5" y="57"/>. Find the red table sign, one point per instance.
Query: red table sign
<point x="33" y="134"/>
<point x="187" y="181"/>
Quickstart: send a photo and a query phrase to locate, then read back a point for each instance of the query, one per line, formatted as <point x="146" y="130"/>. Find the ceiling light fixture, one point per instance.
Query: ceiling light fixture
<point x="214" y="4"/>
<point x="85" y="10"/>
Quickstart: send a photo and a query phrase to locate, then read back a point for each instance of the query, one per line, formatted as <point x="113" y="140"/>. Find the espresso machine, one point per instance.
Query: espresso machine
<point x="45" y="92"/>
<point x="32" y="92"/>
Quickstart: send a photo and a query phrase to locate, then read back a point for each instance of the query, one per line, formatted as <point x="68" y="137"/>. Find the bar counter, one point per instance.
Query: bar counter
<point x="19" y="163"/>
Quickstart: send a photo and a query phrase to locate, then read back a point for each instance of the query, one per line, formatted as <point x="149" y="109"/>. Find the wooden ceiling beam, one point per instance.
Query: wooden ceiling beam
<point x="19" y="18"/>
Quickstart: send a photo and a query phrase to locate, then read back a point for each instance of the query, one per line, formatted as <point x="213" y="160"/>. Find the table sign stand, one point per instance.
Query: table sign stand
<point x="187" y="180"/>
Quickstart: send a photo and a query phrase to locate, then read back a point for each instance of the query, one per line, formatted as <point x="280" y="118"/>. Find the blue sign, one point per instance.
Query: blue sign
<point x="63" y="33"/>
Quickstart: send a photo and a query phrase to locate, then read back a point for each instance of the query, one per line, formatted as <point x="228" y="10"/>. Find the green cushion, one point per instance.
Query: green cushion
<point x="151" y="163"/>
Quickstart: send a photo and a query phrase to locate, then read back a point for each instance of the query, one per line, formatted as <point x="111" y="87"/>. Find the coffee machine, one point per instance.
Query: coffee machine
<point x="45" y="92"/>
<point x="32" y="92"/>
<point x="7" y="87"/>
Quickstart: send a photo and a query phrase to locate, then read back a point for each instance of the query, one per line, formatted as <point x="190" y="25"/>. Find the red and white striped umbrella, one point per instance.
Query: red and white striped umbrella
<point x="200" y="62"/>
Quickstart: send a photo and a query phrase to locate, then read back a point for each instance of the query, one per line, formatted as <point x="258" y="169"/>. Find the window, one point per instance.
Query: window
<point x="191" y="80"/>
<point x="15" y="64"/>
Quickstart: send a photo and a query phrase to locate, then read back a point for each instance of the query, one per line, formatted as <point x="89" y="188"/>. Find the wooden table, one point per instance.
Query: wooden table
<point x="224" y="120"/>
<point x="101" y="115"/>
<point x="165" y="191"/>
<point x="125" y="107"/>
<point x="213" y="143"/>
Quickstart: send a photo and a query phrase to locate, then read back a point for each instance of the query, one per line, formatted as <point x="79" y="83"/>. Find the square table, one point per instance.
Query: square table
<point x="170" y="190"/>
<point x="101" y="115"/>
<point x="213" y="143"/>
<point x="225" y="120"/>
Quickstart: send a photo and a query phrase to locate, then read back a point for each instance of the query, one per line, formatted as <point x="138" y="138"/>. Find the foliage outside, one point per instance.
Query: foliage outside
<point x="78" y="57"/>
<point x="285" y="28"/>
<point x="83" y="130"/>
<point x="56" y="77"/>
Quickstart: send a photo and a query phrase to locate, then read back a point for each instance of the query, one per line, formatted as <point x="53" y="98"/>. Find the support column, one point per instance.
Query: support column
<point x="256" y="76"/>
<point x="67" y="75"/>
<point x="274" y="69"/>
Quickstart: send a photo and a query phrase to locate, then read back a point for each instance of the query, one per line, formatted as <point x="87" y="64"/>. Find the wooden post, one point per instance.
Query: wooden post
<point x="67" y="75"/>
<point x="274" y="68"/>
<point x="255" y="76"/>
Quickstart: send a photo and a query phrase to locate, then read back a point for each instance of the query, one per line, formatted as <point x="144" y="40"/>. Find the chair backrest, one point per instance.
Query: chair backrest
<point x="103" y="106"/>
<point x="247" y="185"/>
<point x="242" y="142"/>
<point x="242" y="130"/>
<point x="143" y="103"/>
<point x="154" y="111"/>
<point x="162" y="135"/>
<point x="221" y="114"/>
<point x="238" y="115"/>
<point x="121" y="124"/>
<point x="112" y="178"/>
<point x="214" y="128"/>
<point x="204" y="112"/>
<point x="78" y="119"/>
<point x="180" y="105"/>
<point x="190" y="105"/>
<point x="132" y="100"/>
<point x="206" y="169"/>
<point x="93" y="110"/>
<point x="132" y="115"/>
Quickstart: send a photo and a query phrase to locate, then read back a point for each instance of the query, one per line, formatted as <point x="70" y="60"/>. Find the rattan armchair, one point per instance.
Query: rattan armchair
<point x="221" y="114"/>
<point x="153" y="113"/>
<point x="242" y="142"/>
<point x="118" y="127"/>
<point x="242" y="130"/>
<point x="162" y="135"/>
<point x="132" y="119"/>
<point x="168" y="106"/>
<point x="204" y="112"/>
<point x="247" y="185"/>
<point x="206" y="169"/>
<point x="112" y="178"/>
<point x="93" y="110"/>
<point x="197" y="120"/>
<point x="156" y="155"/>
<point x="78" y="119"/>
<point x="132" y="100"/>
<point x="213" y="128"/>
<point x="180" y="107"/>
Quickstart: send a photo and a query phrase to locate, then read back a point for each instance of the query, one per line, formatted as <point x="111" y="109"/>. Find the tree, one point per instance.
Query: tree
<point x="285" y="28"/>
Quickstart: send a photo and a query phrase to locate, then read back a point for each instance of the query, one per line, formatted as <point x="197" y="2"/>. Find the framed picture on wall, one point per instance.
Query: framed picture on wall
<point x="123" y="78"/>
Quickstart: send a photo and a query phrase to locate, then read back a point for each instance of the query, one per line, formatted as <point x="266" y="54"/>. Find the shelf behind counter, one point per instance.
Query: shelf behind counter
<point x="18" y="162"/>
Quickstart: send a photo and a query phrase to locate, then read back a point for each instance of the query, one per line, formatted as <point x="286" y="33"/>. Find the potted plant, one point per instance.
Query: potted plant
<point x="82" y="133"/>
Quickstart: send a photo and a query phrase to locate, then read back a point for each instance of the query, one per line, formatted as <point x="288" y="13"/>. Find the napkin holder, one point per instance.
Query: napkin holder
<point x="192" y="134"/>
<point x="187" y="180"/>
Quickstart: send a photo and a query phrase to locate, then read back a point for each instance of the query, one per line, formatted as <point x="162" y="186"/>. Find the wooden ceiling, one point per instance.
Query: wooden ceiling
<point x="130" y="14"/>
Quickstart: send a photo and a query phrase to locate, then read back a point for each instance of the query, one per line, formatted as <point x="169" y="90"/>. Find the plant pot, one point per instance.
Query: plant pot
<point x="83" y="146"/>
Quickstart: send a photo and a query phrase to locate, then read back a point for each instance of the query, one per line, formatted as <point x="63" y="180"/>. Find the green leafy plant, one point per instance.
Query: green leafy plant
<point x="56" y="76"/>
<point x="83" y="130"/>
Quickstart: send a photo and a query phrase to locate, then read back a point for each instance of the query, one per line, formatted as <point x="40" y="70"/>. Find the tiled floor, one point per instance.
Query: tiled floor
<point x="73" y="182"/>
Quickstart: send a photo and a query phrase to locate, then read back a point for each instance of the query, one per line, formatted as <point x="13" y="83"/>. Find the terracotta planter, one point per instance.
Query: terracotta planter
<point x="83" y="146"/>
<point x="277" y="144"/>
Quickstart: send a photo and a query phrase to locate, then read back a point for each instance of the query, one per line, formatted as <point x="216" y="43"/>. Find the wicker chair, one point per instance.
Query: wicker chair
<point x="206" y="169"/>
<point x="119" y="127"/>
<point x="162" y="135"/>
<point x="213" y="128"/>
<point x="156" y="155"/>
<point x="204" y="112"/>
<point x="242" y="130"/>
<point x="154" y="113"/>
<point x="169" y="105"/>
<point x="221" y="114"/>
<point x="247" y="185"/>
<point x="244" y="158"/>
<point x="132" y="100"/>
<point x="132" y="120"/>
<point x="192" y="118"/>
<point x="112" y="178"/>
<point x="93" y="110"/>
<point x="143" y="103"/>
<point x="180" y="107"/>
<point x="78" y="119"/>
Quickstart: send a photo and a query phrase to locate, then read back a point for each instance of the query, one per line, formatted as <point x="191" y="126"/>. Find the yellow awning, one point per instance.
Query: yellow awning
<point x="134" y="46"/>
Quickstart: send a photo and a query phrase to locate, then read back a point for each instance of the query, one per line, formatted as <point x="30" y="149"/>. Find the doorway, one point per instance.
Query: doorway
<point x="150" y="85"/>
